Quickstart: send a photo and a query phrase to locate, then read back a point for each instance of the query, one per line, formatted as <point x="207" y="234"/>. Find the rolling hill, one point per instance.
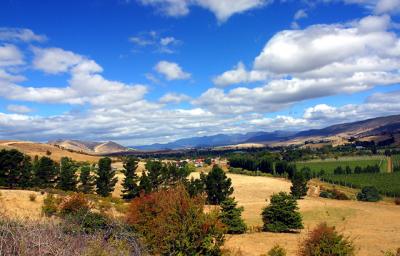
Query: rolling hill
<point x="89" y="147"/>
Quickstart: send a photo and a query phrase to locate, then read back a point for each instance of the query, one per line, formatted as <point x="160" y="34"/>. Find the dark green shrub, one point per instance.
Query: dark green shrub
<point x="299" y="185"/>
<point x="334" y="194"/>
<point x="326" y="241"/>
<point x="369" y="194"/>
<point x="73" y="204"/>
<point x="85" y="221"/>
<point x="282" y="214"/>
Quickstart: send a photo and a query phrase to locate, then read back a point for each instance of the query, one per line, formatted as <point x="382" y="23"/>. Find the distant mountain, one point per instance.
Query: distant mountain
<point x="369" y="127"/>
<point x="89" y="146"/>
<point x="218" y="140"/>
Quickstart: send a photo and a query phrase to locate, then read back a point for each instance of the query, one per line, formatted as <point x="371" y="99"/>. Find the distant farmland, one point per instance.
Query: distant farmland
<point x="386" y="183"/>
<point x="329" y="165"/>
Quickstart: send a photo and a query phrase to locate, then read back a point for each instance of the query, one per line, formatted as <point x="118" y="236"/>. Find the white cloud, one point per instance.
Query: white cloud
<point x="174" y="98"/>
<point x="222" y="9"/>
<point x="20" y="34"/>
<point x="55" y="60"/>
<point x="155" y="40"/>
<point x="239" y="75"/>
<point x="171" y="71"/>
<point x="10" y="55"/>
<point x="18" y="109"/>
<point x="300" y="14"/>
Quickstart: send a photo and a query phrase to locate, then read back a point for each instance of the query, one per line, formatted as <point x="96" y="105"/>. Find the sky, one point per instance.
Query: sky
<point x="152" y="71"/>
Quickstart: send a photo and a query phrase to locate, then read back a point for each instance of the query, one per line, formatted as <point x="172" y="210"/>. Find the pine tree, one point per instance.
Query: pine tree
<point x="68" y="179"/>
<point x="218" y="186"/>
<point x="26" y="177"/>
<point x="155" y="174"/>
<point x="87" y="181"/>
<point x="299" y="185"/>
<point x="46" y="172"/>
<point x="106" y="179"/>
<point x="281" y="215"/>
<point x="231" y="216"/>
<point x="10" y="167"/>
<point x="130" y="184"/>
<point x="145" y="183"/>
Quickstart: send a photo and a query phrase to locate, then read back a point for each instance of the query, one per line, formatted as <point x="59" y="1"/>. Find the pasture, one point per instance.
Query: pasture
<point x="329" y="165"/>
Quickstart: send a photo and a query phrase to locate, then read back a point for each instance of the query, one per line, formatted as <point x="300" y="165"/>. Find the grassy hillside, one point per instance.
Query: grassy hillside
<point x="41" y="149"/>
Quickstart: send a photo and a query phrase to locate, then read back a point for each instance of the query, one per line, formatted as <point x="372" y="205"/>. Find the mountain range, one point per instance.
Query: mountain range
<point x="360" y="129"/>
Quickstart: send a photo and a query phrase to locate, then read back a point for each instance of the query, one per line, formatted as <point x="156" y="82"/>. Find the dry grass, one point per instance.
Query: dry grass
<point x="40" y="149"/>
<point x="375" y="227"/>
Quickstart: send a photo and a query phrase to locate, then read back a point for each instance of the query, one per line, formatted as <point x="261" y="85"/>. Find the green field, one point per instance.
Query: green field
<point x="329" y="165"/>
<point x="396" y="162"/>
<point x="388" y="184"/>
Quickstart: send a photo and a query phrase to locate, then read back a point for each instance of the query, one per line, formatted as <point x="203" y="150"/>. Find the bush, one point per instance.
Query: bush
<point x="397" y="201"/>
<point x="392" y="253"/>
<point x="326" y="241"/>
<point x="173" y="223"/>
<point x="334" y="194"/>
<point x="282" y="214"/>
<point x="74" y="204"/>
<point x="369" y="194"/>
<point x="277" y="251"/>
<point x="50" y="205"/>
<point x="85" y="222"/>
<point x="32" y="197"/>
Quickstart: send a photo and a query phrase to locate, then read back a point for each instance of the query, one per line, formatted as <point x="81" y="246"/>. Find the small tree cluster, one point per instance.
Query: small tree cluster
<point x="369" y="194"/>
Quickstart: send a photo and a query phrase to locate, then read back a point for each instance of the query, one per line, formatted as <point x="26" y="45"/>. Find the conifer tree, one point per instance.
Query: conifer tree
<point x="26" y="177"/>
<point x="106" y="179"/>
<point x="299" y="185"/>
<point x="68" y="179"/>
<point x="87" y="181"/>
<point x="155" y="174"/>
<point x="145" y="183"/>
<point x="218" y="186"/>
<point x="231" y="216"/>
<point x="46" y="172"/>
<point x="130" y="184"/>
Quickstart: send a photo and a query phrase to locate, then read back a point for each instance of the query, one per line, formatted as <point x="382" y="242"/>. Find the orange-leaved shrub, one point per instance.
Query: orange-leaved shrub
<point x="74" y="203"/>
<point x="326" y="241"/>
<point x="172" y="223"/>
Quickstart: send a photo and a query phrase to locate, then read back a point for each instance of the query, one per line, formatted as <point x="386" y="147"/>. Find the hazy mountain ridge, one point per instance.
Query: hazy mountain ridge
<point x="369" y="127"/>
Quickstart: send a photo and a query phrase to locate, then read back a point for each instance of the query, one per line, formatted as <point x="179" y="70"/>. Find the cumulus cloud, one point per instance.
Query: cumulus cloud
<point x="10" y="55"/>
<point x="319" y="61"/>
<point x="20" y="34"/>
<point x="171" y="71"/>
<point x="239" y="75"/>
<point x="222" y="9"/>
<point x="174" y="98"/>
<point x="18" y="108"/>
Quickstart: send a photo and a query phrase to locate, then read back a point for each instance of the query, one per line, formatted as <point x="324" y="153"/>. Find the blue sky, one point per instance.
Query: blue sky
<point x="144" y="71"/>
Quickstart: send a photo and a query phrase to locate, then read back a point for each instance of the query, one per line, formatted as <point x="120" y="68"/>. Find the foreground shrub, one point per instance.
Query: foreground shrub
<point x="282" y="214"/>
<point x="86" y="222"/>
<point x="369" y="194"/>
<point x="73" y="204"/>
<point x="49" y="238"/>
<point x="50" y="205"/>
<point x="392" y="253"/>
<point x="32" y="197"/>
<point x="231" y="216"/>
<point x="326" y="241"/>
<point x="173" y="223"/>
<point x="277" y="251"/>
<point x="397" y="201"/>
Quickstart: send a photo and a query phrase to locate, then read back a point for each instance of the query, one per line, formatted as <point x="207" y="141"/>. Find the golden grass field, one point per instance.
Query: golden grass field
<point x="40" y="149"/>
<point x="374" y="227"/>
